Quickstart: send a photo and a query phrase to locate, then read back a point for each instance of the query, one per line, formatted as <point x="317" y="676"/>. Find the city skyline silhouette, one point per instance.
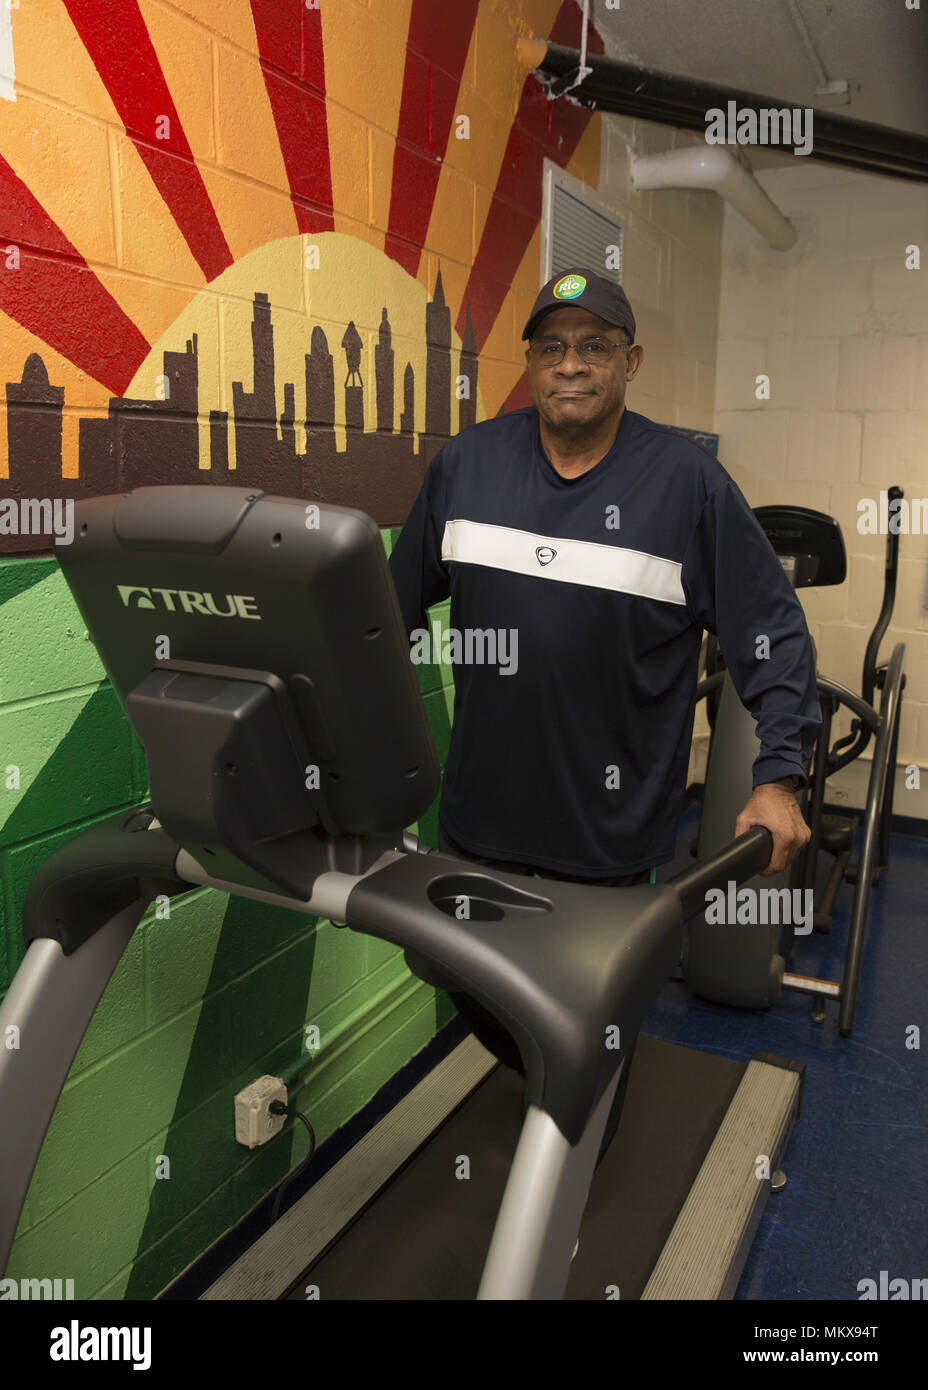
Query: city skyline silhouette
<point x="144" y="442"/>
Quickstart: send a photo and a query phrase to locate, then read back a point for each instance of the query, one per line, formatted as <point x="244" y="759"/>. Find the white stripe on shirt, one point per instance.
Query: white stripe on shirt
<point x="569" y="562"/>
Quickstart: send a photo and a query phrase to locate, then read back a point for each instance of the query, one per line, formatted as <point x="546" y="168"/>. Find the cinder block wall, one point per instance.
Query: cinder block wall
<point x="839" y="324"/>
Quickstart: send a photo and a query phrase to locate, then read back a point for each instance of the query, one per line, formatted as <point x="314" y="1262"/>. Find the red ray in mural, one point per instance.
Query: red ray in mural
<point x="541" y="128"/>
<point x="437" y="45"/>
<point x="290" y="52"/>
<point x="56" y="296"/>
<point x="115" y="35"/>
<point x="518" y="397"/>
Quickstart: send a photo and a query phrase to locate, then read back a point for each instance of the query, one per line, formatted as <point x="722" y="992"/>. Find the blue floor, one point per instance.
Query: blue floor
<point x="856" y="1200"/>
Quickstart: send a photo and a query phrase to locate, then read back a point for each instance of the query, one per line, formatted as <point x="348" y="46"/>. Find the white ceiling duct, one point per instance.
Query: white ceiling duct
<point x="714" y="169"/>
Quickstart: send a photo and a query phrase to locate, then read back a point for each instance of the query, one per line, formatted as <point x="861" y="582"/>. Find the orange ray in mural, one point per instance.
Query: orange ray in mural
<point x="48" y="287"/>
<point x="115" y="36"/>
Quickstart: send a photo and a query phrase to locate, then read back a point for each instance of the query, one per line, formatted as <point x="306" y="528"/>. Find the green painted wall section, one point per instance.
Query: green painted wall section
<point x="140" y="1171"/>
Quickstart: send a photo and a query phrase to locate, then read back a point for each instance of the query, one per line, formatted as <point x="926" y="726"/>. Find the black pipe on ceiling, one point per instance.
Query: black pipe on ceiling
<point x="627" y="90"/>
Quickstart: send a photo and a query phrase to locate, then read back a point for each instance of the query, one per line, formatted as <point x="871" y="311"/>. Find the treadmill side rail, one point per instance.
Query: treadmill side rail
<point x="51" y="1002"/>
<point x="706" y="1251"/>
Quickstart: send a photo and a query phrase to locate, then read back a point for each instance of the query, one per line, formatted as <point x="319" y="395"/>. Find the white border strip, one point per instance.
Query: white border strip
<point x="7" y="68"/>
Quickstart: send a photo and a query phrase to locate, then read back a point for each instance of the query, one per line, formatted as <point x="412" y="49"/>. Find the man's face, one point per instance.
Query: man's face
<point x="576" y="394"/>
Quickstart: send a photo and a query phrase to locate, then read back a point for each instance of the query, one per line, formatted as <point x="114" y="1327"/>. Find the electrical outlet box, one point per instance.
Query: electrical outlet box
<point x="254" y="1123"/>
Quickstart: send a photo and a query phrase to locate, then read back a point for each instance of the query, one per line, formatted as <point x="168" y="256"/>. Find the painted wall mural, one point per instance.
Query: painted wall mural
<point x="273" y="244"/>
<point x="370" y="451"/>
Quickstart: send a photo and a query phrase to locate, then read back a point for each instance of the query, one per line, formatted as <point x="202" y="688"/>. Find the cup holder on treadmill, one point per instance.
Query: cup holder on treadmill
<point x="488" y="900"/>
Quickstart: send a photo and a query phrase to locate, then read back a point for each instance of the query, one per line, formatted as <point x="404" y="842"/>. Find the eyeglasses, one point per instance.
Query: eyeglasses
<point x="593" y="351"/>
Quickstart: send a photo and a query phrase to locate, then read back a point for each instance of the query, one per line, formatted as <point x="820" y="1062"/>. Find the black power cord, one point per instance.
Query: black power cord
<point x="277" y="1107"/>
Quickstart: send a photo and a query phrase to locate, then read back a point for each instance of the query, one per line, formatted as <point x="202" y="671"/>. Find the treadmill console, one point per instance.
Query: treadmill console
<point x="257" y="646"/>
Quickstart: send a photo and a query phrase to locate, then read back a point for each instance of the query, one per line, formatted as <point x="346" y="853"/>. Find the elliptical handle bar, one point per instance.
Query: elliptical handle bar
<point x="853" y="744"/>
<point x="868" y="681"/>
<point x="739" y="860"/>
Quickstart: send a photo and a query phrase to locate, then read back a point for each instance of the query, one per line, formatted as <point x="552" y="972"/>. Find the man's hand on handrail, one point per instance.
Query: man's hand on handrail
<point x="774" y="805"/>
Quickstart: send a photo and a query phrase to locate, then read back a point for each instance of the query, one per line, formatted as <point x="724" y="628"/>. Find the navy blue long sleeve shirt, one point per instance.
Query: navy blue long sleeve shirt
<point x="576" y="759"/>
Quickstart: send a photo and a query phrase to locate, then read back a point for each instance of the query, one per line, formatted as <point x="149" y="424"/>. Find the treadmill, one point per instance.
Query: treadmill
<point x="289" y="657"/>
<point x="665" y="1217"/>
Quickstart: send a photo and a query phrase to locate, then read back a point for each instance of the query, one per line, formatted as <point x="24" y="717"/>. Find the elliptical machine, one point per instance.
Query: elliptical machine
<point x="747" y="966"/>
<point x="288" y="749"/>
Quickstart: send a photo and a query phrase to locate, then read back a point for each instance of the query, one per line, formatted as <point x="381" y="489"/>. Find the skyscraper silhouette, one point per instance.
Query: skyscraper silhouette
<point x="320" y="381"/>
<point x="154" y="441"/>
<point x="34" y="410"/>
<point x="438" y="365"/>
<point x="383" y="371"/>
<point x="467" y="405"/>
<point x="261" y="459"/>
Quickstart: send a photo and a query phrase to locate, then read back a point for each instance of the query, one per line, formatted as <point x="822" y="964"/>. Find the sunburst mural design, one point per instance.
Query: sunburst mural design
<point x="242" y="242"/>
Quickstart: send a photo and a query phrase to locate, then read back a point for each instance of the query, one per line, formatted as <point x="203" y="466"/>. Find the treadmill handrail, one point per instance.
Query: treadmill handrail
<point x="740" y="860"/>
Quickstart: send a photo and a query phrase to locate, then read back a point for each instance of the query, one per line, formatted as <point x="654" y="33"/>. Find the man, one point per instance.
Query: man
<point x="606" y="543"/>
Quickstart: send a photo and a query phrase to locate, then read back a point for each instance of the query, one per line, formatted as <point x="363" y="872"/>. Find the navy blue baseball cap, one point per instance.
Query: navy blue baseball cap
<point x="586" y="290"/>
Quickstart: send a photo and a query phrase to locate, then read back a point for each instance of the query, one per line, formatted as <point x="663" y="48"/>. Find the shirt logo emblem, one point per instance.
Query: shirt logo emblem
<point x="545" y="554"/>
<point x="569" y="286"/>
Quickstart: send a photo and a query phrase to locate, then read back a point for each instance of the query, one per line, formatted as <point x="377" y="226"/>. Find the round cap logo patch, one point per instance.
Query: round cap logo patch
<point x="569" y="287"/>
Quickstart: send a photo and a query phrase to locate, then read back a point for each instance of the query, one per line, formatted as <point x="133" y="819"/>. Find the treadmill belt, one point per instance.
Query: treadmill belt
<point x="426" y="1235"/>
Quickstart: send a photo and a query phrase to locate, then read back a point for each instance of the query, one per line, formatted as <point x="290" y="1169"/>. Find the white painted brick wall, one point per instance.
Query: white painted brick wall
<point x="895" y="449"/>
<point x="824" y="444"/>
<point x="841" y="326"/>
<point x="671" y="273"/>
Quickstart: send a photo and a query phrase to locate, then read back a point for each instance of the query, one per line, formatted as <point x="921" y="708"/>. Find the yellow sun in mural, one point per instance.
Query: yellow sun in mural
<point x="324" y="282"/>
